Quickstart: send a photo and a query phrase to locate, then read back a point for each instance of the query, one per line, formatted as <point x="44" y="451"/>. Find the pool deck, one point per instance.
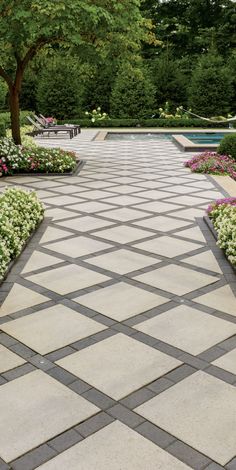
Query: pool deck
<point x="118" y="322"/>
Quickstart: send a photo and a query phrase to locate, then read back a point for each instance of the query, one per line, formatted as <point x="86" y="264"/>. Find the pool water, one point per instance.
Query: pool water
<point x="196" y="138"/>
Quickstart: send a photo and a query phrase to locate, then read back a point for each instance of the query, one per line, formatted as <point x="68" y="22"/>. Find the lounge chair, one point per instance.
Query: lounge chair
<point x="39" y="129"/>
<point x="42" y="120"/>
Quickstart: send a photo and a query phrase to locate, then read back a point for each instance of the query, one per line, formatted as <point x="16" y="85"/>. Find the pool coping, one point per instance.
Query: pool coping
<point x="182" y="142"/>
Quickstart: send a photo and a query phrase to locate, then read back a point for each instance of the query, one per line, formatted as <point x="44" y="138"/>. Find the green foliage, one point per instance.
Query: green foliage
<point x="29" y="90"/>
<point x="5" y="118"/>
<point x="228" y="146"/>
<point x="20" y="214"/>
<point x="3" y="95"/>
<point x="2" y="130"/>
<point x="133" y="93"/>
<point x="141" y="122"/>
<point x="59" y="91"/>
<point x="170" y="83"/>
<point x="211" y="91"/>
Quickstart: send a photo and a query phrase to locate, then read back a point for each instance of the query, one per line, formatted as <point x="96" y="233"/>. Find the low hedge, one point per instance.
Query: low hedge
<point x="223" y="216"/>
<point x="192" y="123"/>
<point x="228" y="146"/>
<point x="20" y="214"/>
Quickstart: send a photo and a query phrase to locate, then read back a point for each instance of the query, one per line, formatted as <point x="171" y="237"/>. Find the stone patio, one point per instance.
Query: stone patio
<point x="118" y="321"/>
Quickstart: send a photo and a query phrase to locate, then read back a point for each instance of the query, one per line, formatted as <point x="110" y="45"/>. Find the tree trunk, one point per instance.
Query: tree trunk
<point x="15" y="114"/>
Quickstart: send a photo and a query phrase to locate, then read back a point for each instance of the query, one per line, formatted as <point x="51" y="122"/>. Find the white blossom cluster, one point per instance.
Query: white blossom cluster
<point x="20" y="213"/>
<point x="224" y="221"/>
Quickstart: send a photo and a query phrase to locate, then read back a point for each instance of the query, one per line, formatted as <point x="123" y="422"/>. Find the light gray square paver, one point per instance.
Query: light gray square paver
<point x="221" y="299"/>
<point x="193" y="233"/>
<point x="62" y="200"/>
<point x="188" y="329"/>
<point x="190" y="214"/>
<point x="200" y="411"/>
<point x="154" y="194"/>
<point x="118" y="365"/>
<point x="122" y="261"/>
<point x="187" y="200"/>
<point x="68" y="279"/>
<point x="205" y="260"/>
<point x="176" y="279"/>
<point x="125" y="200"/>
<point x="96" y="194"/>
<point x="9" y="360"/>
<point x="125" y="214"/>
<point x="20" y="298"/>
<point x="52" y="328"/>
<point x="38" y="408"/>
<point x="108" y="449"/>
<point x="39" y="260"/>
<point x="123" y="234"/>
<point x="162" y="223"/>
<point x="167" y="246"/>
<point x="78" y="246"/>
<point x="121" y="301"/>
<point x="92" y="206"/>
<point x="158" y="206"/>
<point x="57" y="213"/>
<point x="84" y="224"/>
<point x="227" y="362"/>
<point x="53" y="233"/>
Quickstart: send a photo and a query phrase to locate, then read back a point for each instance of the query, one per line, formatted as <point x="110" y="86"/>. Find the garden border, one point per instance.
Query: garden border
<point x="211" y="227"/>
<point x="79" y="166"/>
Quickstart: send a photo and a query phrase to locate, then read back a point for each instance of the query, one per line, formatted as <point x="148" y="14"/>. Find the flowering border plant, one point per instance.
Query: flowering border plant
<point x="212" y="163"/>
<point x="223" y="216"/>
<point x="16" y="159"/>
<point x="20" y="213"/>
<point x="96" y="115"/>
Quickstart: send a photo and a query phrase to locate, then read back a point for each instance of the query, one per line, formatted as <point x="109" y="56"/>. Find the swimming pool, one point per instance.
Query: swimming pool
<point x="196" y="138"/>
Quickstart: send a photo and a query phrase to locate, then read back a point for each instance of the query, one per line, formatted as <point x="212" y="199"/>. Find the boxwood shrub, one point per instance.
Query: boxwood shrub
<point x="20" y="214"/>
<point x="2" y="129"/>
<point x="228" y="146"/>
<point x="185" y="123"/>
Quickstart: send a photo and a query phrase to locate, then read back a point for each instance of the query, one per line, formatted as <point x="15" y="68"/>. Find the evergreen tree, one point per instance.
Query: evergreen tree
<point x="170" y="83"/>
<point x="133" y="94"/>
<point x="211" y="90"/>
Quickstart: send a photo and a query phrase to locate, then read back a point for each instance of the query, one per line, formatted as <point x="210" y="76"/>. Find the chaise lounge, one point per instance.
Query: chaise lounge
<point x="39" y="129"/>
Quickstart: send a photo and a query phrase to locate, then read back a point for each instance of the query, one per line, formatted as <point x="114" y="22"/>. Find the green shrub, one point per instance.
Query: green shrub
<point x="5" y="118"/>
<point x="211" y="91"/>
<point x="170" y="83"/>
<point x="2" y="130"/>
<point x="59" y="91"/>
<point x="3" y="94"/>
<point x="20" y="214"/>
<point x="174" y="123"/>
<point x="228" y="146"/>
<point x="133" y="93"/>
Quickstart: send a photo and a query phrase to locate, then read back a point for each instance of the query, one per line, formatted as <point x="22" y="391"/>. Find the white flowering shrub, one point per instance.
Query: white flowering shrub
<point x="20" y="213"/>
<point x="224" y="220"/>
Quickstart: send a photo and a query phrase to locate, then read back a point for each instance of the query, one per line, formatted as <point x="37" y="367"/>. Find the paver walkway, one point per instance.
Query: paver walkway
<point x="118" y="323"/>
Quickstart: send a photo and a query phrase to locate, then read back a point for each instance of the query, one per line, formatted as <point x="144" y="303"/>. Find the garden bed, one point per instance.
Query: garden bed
<point x="21" y="213"/>
<point x="221" y="220"/>
<point x="15" y="160"/>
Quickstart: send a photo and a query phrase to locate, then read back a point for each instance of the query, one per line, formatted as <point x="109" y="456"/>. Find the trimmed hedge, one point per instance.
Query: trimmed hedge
<point x="146" y="123"/>
<point x="228" y="146"/>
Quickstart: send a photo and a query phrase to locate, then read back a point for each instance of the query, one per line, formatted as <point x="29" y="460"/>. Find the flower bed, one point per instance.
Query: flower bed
<point x="222" y="214"/>
<point x="20" y="214"/>
<point x="17" y="159"/>
<point x="212" y="163"/>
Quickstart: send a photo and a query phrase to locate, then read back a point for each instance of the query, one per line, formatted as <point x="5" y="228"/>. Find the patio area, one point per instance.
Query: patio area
<point x="118" y="322"/>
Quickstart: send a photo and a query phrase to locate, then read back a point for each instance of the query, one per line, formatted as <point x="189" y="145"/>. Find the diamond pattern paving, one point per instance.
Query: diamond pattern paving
<point x="38" y="408"/>
<point x="199" y="410"/>
<point x="119" y="365"/>
<point x="108" y="449"/>
<point x="108" y="318"/>
<point x="121" y="301"/>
